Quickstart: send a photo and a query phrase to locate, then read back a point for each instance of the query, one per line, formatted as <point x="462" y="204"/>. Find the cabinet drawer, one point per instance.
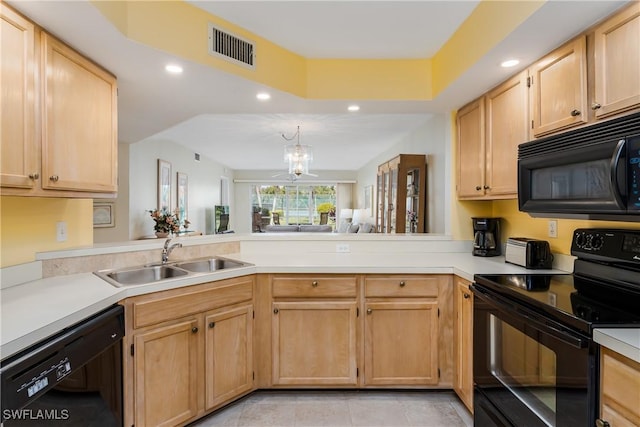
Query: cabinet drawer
<point x="314" y="286"/>
<point x="179" y="302"/>
<point x="401" y="286"/>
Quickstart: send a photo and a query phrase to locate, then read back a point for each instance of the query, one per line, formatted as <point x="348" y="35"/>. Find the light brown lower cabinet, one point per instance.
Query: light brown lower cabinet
<point x="314" y="343"/>
<point x="166" y="374"/>
<point x="314" y="330"/>
<point x="402" y="339"/>
<point x="619" y="390"/>
<point x="400" y="344"/>
<point x="191" y="350"/>
<point x="463" y="341"/>
<point x="187" y="351"/>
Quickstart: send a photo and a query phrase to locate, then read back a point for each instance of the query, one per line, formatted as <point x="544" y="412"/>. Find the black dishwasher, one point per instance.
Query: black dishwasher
<point x="73" y="378"/>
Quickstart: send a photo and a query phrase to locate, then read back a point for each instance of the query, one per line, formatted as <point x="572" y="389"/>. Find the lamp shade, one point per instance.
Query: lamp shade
<point x="346" y="213"/>
<point x="359" y="216"/>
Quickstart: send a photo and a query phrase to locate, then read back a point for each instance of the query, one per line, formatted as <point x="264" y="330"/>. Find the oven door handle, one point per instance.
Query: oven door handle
<point x="510" y="308"/>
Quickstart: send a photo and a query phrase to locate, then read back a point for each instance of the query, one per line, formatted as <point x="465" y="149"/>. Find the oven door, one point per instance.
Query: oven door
<point x="527" y="370"/>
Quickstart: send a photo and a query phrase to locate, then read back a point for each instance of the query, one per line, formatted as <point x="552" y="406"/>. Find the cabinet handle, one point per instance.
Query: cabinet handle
<point x="369" y="311"/>
<point x="486" y="187"/>
<point x="466" y="295"/>
<point x="402" y="284"/>
<point x="478" y="188"/>
<point x="275" y="311"/>
<point x="314" y="284"/>
<point x="575" y="113"/>
<point x="54" y="178"/>
<point x="602" y="423"/>
<point x="595" y="106"/>
<point x="194" y="329"/>
<point x="34" y="176"/>
<point x="212" y="324"/>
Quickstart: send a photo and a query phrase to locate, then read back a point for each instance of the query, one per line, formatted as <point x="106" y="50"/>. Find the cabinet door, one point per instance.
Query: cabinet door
<point x="229" y="355"/>
<point x="507" y="126"/>
<point x="79" y="140"/>
<point x="559" y="83"/>
<point x="463" y="342"/>
<point x="617" y="63"/>
<point x="471" y="150"/>
<point x="166" y="374"/>
<point x="401" y="343"/>
<point x="18" y="148"/>
<point x="314" y="343"/>
<point x="620" y="389"/>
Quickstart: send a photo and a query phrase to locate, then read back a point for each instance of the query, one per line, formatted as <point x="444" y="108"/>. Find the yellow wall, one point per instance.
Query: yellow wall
<point x="28" y="225"/>
<point x="181" y="29"/>
<point x="519" y="224"/>
<point x="488" y="24"/>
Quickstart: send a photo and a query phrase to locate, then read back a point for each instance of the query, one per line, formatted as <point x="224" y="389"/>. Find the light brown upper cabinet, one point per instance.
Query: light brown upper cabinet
<point x="79" y="141"/>
<point x="489" y="131"/>
<point x="18" y="147"/>
<point x="559" y="89"/>
<point x="507" y="117"/>
<point x="471" y="150"/>
<point x="617" y="63"/>
<point x="59" y="121"/>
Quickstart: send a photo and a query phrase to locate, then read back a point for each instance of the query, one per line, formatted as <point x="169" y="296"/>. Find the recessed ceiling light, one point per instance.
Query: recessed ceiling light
<point x="510" y="63"/>
<point x="353" y="108"/>
<point x="173" y="69"/>
<point x="263" y="96"/>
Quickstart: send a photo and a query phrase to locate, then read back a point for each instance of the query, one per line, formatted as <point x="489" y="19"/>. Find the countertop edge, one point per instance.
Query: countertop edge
<point x="625" y="341"/>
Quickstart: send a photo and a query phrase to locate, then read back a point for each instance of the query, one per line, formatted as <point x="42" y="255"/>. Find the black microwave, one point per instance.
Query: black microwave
<point x="590" y="173"/>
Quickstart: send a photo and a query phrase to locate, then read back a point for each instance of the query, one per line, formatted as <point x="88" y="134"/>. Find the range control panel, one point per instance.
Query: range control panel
<point x="611" y="245"/>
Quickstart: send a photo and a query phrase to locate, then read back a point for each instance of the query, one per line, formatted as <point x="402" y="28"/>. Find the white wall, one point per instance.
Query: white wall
<point x="433" y="139"/>
<point x="203" y="184"/>
<point x="120" y="232"/>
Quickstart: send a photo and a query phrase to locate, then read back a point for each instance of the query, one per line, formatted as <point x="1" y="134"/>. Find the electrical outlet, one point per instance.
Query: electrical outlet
<point x="553" y="228"/>
<point x="61" y="231"/>
<point x="342" y="248"/>
<point x="553" y="299"/>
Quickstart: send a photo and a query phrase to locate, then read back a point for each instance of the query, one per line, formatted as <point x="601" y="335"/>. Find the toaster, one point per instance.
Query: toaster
<point x="528" y="253"/>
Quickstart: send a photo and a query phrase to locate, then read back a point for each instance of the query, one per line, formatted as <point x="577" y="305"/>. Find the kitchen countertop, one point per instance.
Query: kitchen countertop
<point x="37" y="309"/>
<point x="625" y="341"/>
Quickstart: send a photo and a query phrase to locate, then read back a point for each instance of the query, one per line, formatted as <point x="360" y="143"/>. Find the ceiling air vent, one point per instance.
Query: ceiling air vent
<point x="231" y="47"/>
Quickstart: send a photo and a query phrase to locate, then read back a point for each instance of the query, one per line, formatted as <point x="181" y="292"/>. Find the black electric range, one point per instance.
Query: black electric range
<point x="534" y="359"/>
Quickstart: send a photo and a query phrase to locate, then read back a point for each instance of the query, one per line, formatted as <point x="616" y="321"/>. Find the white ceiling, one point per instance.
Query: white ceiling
<point x="216" y="114"/>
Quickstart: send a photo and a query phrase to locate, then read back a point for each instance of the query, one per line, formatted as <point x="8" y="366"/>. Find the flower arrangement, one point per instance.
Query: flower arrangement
<point x="166" y="222"/>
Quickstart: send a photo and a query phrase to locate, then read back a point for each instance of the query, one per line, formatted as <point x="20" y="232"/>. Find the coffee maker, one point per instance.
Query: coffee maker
<point x="486" y="236"/>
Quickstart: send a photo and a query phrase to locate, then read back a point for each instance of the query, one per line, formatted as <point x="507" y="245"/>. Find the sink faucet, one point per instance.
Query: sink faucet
<point x="167" y="250"/>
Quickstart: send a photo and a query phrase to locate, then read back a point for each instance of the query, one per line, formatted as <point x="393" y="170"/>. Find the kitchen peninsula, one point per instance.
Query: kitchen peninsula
<point x="352" y="282"/>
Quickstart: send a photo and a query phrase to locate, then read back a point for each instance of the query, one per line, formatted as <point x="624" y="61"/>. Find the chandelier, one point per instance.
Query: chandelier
<point x="297" y="156"/>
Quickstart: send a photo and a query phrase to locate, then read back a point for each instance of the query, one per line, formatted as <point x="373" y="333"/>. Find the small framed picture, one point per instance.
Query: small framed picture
<point x="164" y="185"/>
<point x="368" y="198"/>
<point x="183" y="196"/>
<point x="103" y="215"/>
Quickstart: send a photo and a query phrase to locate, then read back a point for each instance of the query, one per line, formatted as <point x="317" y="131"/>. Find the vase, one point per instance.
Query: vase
<point x="161" y="234"/>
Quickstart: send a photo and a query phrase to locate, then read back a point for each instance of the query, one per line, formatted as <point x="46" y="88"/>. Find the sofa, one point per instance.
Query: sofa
<point x="304" y="228"/>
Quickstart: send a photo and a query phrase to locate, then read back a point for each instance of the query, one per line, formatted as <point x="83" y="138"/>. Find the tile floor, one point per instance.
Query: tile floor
<point x="365" y="408"/>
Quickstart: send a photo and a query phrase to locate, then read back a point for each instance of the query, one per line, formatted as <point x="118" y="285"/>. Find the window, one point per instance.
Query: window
<point x="292" y="204"/>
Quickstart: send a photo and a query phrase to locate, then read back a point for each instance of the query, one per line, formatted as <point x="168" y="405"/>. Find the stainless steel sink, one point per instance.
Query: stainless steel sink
<point x="209" y="265"/>
<point x="152" y="273"/>
<point x="139" y="276"/>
